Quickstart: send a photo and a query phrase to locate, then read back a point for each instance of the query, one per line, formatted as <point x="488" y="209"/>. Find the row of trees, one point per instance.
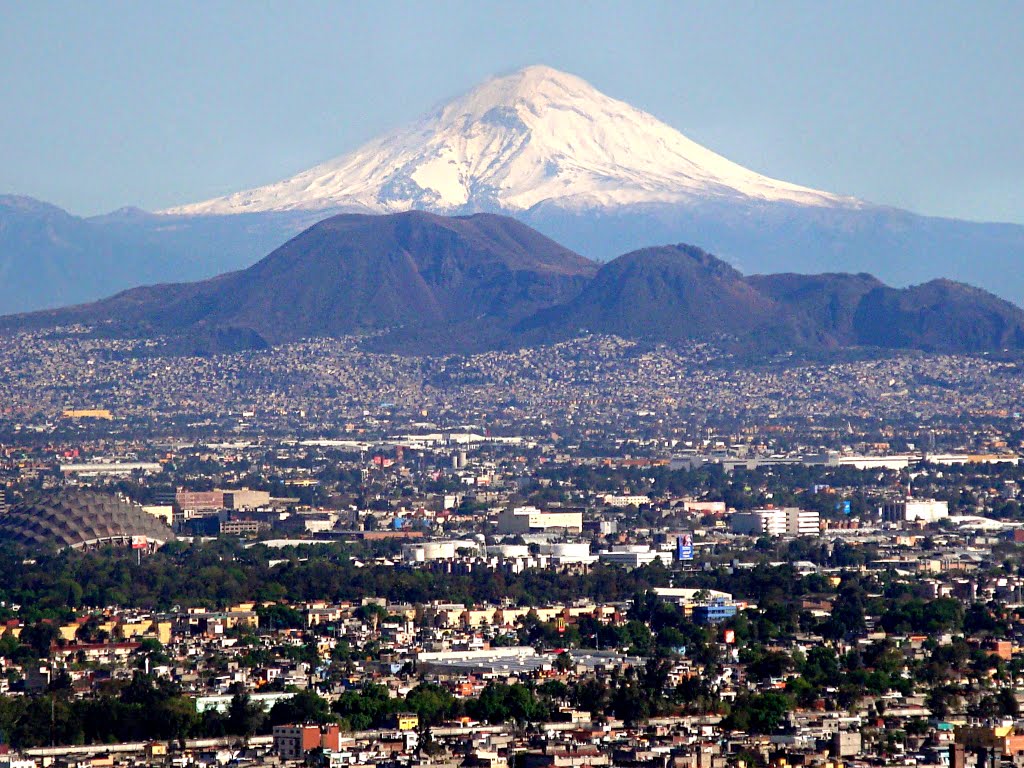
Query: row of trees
<point x="146" y="708"/>
<point x="223" y="572"/>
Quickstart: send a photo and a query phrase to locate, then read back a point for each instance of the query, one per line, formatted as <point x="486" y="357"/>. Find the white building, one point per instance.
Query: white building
<point x="95" y="469"/>
<point x="705" y="507"/>
<point x="689" y="597"/>
<point x="508" y="550"/>
<point x="533" y="520"/>
<point x="789" y="521"/>
<point x="915" y="511"/>
<point x="635" y="500"/>
<point x="428" y="551"/>
<point x="569" y="553"/>
<point x="802" y="522"/>
<point x="634" y="556"/>
<point x="894" y="462"/>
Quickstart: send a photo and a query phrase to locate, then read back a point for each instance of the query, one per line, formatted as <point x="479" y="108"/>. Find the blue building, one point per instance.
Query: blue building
<point x="714" y="612"/>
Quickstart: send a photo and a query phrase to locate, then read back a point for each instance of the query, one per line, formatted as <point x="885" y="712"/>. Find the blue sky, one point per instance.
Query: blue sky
<point x="913" y="104"/>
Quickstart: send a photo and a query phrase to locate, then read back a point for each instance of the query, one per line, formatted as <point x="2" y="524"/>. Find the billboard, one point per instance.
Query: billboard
<point x="684" y="547"/>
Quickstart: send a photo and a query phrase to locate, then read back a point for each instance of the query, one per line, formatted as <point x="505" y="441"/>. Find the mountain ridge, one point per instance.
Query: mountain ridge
<point x="589" y="171"/>
<point x="356" y="273"/>
<point x="416" y="282"/>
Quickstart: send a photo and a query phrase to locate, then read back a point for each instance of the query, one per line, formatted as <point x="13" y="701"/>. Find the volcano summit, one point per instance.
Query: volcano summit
<point x="591" y="172"/>
<point x="537" y="136"/>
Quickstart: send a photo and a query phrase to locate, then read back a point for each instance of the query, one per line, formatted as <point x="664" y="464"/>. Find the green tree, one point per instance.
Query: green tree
<point x="39" y="637"/>
<point x="304" y="707"/>
<point x="244" y="717"/>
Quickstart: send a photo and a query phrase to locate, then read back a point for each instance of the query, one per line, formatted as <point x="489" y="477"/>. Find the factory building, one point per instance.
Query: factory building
<point x="246" y="499"/>
<point x="428" y="551"/>
<point x="634" y="556"/>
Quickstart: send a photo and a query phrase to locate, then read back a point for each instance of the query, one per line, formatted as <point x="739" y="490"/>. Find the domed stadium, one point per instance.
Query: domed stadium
<point x="82" y="519"/>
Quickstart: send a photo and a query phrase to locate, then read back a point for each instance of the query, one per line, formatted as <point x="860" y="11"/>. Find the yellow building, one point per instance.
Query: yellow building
<point x="1002" y="737"/>
<point x="407" y="721"/>
<point x="156" y="749"/>
<point x="88" y="413"/>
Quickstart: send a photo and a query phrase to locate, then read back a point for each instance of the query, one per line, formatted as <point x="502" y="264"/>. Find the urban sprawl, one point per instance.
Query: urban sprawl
<point x="596" y="553"/>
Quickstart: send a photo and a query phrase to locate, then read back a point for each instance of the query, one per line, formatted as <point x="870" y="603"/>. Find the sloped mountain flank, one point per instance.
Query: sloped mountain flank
<point x="406" y="273"/>
<point x="535" y="136"/>
<point x="421" y="283"/>
<point x="590" y="171"/>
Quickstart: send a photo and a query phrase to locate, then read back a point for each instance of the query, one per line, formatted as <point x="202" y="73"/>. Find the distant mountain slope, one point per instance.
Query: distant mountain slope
<point x="422" y="283"/>
<point x="940" y="315"/>
<point x="829" y="301"/>
<point x="899" y="247"/>
<point x="591" y="172"/>
<point x="421" y="276"/>
<point x="49" y="258"/>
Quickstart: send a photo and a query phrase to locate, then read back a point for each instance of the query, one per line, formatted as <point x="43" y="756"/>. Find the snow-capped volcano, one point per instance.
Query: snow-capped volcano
<point x="590" y="172"/>
<point x="535" y="136"/>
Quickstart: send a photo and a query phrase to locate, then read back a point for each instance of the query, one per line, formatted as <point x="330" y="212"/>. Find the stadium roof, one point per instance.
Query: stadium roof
<point x="81" y="519"/>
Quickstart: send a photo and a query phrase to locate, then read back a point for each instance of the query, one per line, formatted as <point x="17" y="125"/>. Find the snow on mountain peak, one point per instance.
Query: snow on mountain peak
<point x="535" y="136"/>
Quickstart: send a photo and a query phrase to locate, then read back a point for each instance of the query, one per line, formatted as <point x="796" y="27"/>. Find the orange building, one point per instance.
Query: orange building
<point x="292" y="742"/>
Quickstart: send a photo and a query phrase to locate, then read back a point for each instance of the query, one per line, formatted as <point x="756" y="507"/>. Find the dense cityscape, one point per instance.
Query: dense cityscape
<point x="594" y="553"/>
<point x="511" y="385"/>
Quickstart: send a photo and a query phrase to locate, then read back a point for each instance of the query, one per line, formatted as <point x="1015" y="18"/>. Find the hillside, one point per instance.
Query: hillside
<point x="940" y="315"/>
<point x="590" y="171"/>
<point x="421" y="283"/>
<point x="673" y="294"/>
<point x="417" y="275"/>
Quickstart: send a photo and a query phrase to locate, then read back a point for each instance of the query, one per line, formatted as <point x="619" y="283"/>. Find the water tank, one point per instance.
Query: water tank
<point x="567" y="549"/>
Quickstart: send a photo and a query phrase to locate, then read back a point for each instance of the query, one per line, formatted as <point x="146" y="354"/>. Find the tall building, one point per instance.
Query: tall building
<point x="769" y="522"/>
<point x="802" y="522"/>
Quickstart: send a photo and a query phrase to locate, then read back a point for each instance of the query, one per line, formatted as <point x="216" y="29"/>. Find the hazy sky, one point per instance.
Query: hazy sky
<point x="104" y="104"/>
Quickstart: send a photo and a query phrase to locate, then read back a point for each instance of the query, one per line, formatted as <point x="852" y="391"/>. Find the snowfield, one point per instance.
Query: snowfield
<point x="536" y="136"/>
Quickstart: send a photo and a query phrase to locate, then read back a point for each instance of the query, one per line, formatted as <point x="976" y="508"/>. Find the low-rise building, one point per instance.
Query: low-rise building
<point x="533" y="520"/>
